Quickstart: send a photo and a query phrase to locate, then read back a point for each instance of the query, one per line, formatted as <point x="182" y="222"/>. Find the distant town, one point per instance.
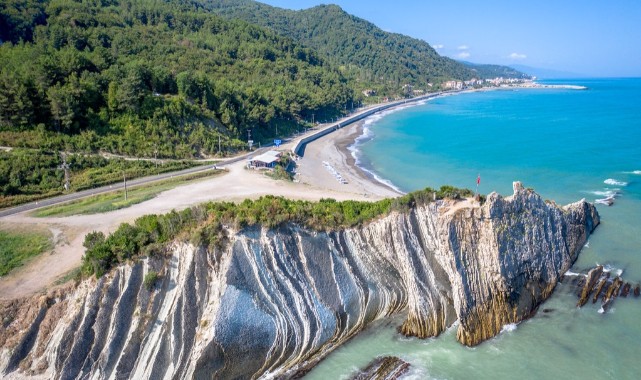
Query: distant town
<point x="477" y="83"/>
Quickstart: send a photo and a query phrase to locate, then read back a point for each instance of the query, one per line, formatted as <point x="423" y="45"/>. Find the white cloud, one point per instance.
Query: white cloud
<point x="463" y="55"/>
<point x="517" y="56"/>
<point x="463" y="47"/>
<point x="438" y="46"/>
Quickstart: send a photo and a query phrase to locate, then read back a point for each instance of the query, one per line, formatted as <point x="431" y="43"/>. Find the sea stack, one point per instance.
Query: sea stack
<point x="273" y="302"/>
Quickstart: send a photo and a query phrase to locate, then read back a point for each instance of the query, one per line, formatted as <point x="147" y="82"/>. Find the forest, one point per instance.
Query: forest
<point x="152" y="78"/>
<point x="170" y="79"/>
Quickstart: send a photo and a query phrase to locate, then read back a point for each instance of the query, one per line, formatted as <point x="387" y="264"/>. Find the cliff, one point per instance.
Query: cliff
<point x="274" y="302"/>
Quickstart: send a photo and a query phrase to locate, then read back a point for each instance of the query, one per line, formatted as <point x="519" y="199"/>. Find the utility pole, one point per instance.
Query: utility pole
<point x="156" y="156"/>
<point x="219" y="144"/>
<point x="124" y="177"/>
<point x="65" y="167"/>
<point x="312" y="119"/>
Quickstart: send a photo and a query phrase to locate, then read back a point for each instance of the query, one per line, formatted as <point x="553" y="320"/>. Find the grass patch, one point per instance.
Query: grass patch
<point x="18" y="247"/>
<point x="116" y="200"/>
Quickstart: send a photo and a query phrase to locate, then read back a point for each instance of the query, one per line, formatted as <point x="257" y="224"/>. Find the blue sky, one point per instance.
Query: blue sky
<point x="589" y="37"/>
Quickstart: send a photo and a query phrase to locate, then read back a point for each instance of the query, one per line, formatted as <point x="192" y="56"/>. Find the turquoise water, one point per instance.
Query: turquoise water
<point x="564" y="144"/>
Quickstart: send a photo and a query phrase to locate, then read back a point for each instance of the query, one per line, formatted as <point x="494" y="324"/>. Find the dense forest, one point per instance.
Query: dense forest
<point x="181" y="79"/>
<point x="151" y="77"/>
<point x="376" y="59"/>
<point x="495" y="71"/>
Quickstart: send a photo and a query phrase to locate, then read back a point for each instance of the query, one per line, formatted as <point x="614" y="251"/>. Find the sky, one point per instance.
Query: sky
<point x="595" y="38"/>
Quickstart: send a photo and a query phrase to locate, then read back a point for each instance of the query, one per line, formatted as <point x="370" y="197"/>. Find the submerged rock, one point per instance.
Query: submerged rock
<point x="274" y="302"/>
<point x="592" y="278"/>
<point x="599" y="284"/>
<point x="383" y="368"/>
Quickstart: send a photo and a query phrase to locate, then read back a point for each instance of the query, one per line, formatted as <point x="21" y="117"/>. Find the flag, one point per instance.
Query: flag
<point x="478" y="180"/>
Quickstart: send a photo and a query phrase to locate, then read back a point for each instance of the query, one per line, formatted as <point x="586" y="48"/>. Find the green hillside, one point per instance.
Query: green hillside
<point x="151" y="77"/>
<point x="360" y="48"/>
<point x="374" y="58"/>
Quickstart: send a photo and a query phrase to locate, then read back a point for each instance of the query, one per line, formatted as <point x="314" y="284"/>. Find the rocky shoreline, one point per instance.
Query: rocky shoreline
<point x="274" y="302"/>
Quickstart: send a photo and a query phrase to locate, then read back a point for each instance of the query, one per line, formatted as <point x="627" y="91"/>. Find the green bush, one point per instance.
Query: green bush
<point x="204" y="224"/>
<point x="150" y="279"/>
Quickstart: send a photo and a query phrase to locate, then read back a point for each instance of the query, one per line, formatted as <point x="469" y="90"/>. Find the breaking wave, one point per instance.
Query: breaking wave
<point x="614" y="182"/>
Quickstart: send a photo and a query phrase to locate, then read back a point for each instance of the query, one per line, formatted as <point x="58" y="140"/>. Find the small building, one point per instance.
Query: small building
<point x="267" y="160"/>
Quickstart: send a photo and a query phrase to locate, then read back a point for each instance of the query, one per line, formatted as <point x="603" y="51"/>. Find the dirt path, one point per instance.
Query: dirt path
<point x="238" y="184"/>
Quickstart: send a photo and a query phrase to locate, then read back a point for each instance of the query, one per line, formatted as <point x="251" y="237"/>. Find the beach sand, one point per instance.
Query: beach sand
<point x="332" y="149"/>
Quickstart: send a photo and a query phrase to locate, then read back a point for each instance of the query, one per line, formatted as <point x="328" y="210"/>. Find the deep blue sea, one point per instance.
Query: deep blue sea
<point x="567" y="145"/>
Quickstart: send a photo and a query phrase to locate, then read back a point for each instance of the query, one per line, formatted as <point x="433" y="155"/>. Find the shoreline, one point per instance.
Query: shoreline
<point x="316" y="178"/>
<point x="348" y="145"/>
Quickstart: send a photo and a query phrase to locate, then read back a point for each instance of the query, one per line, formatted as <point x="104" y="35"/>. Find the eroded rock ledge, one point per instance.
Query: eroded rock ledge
<point x="275" y="302"/>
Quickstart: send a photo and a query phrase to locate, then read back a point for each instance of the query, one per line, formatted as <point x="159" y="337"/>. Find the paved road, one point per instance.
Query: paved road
<point x="120" y="185"/>
<point x="306" y="138"/>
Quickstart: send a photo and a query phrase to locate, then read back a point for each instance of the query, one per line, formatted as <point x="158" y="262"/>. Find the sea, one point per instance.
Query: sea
<point x="566" y="144"/>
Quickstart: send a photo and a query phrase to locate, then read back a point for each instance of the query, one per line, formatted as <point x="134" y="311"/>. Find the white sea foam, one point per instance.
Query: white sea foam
<point x="608" y="268"/>
<point x="509" y="327"/>
<point x="606" y="192"/>
<point x="637" y="172"/>
<point x="601" y="310"/>
<point x="571" y="274"/>
<point x="614" y="182"/>
<point x="367" y="135"/>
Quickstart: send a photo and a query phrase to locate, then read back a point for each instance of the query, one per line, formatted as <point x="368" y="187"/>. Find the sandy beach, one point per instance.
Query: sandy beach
<point x="328" y="155"/>
<point x="313" y="181"/>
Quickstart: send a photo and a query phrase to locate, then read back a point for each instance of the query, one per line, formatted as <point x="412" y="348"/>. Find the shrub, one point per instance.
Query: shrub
<point x="150" y="279"/>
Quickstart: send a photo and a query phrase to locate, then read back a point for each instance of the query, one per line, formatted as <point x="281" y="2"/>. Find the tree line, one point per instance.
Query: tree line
<point x="152" y="77"/>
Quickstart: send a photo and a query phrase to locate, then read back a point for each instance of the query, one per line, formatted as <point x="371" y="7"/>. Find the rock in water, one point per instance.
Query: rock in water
<point x="383" y="368"/>
<point x="273" y="302"/>
<point x="598" y="289"/>
<point x="592" y="278"/>
<point x="612" y="292"/>
<point x="625" y="290"/>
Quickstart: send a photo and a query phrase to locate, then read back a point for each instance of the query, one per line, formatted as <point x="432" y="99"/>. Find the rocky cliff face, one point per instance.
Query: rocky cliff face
<point x="274" y="302"/>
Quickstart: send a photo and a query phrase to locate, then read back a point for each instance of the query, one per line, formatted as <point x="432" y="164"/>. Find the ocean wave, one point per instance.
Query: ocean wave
<point x="509" y="327"/>
<point x="608" y="268"/>
<point x="636" y="172"/>
<point x="614" y="182"/>
<point x="380" y="179"/>
<point x="606" y="192"/>
<point x="365" y="136"/>
<point x="571" y="274"/>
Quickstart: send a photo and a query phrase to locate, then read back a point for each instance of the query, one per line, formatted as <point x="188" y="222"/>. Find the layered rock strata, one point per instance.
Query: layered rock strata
<point x="272" y="303"/>
<point x="596" y="283"/>
<point x="383" y="368"/>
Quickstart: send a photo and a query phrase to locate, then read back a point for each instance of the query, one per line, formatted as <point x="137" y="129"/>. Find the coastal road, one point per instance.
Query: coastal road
<point x="120" y="185"/>
<point x="297" y="145"/>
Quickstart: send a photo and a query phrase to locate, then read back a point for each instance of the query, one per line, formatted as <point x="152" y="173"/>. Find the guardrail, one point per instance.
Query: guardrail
<point x="299" y="147"/>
